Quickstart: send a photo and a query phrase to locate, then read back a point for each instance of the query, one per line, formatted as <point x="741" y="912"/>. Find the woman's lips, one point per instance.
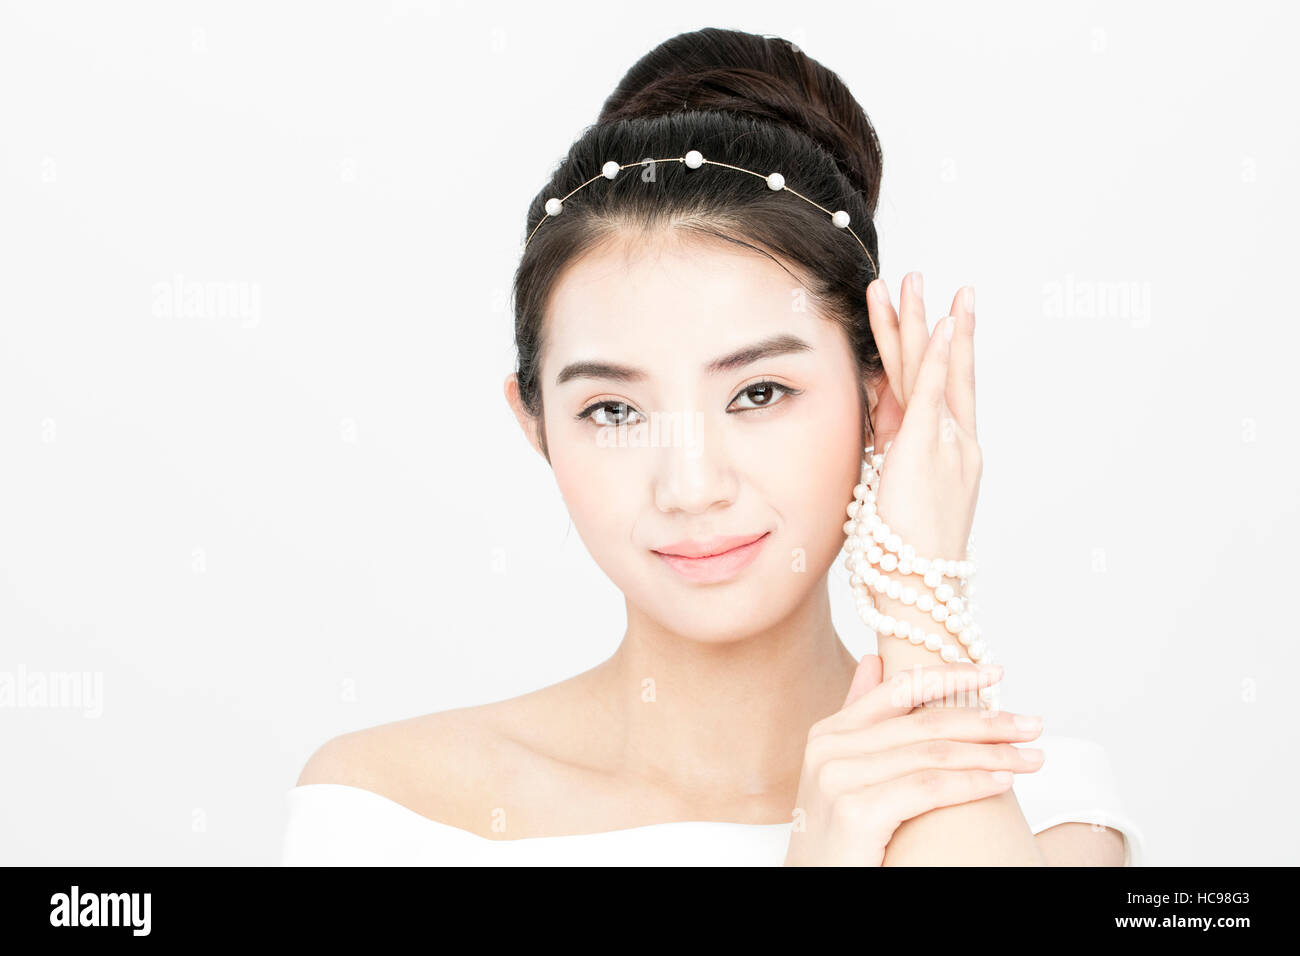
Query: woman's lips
<point x="715" y="567"/>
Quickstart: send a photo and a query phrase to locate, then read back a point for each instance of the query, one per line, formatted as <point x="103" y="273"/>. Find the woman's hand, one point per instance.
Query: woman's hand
<point x="883" y="759"/>
<point x="930" y="481"/>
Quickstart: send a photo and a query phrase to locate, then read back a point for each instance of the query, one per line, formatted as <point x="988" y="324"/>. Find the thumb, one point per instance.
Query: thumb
<point x="866" y="677"/>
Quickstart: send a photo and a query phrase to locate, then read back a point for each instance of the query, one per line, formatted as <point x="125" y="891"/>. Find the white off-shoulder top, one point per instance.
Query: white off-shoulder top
<point x="339" y="825"/>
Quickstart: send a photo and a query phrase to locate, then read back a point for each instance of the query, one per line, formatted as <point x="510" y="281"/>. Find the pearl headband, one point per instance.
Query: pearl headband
<point x="694" y="160"/>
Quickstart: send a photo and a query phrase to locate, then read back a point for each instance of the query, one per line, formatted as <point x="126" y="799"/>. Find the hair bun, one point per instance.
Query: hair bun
<point x="764" y="78"/>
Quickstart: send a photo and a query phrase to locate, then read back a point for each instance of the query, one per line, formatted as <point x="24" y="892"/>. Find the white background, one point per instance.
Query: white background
<point x="263" y="528"/>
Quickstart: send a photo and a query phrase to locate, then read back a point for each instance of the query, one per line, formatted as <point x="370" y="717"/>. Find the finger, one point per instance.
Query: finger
<point x="923" y="791"/>
<point x="839" y="775"/>
<point x="931" y="380"/>
<point x="960" y="392"/>
<point x="970" y="724"/>
<point x="924" y="725"/>
<point x="912" y="331"/>
<point x="910" y="688"/>
<point x="865" y="678"/>
<point x="884" y="329"/>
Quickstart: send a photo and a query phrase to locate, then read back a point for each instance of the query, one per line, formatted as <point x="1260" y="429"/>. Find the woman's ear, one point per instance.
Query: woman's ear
<point x="884" y="413"/>
<point x="529" y="423"/>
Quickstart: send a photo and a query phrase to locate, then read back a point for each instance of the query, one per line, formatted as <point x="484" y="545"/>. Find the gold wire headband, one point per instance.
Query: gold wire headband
<point x="694" y="160"/>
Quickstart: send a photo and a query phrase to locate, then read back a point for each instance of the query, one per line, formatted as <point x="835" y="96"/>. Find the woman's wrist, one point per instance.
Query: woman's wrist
<point x="900" y="654"/>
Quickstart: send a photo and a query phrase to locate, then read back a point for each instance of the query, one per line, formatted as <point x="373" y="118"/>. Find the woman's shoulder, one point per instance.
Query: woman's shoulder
<point x="1078" y="790"/>
<point x="450" y="766"/>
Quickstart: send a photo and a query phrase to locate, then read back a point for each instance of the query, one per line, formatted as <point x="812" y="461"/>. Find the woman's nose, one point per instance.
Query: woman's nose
<point x="693" y="471"/>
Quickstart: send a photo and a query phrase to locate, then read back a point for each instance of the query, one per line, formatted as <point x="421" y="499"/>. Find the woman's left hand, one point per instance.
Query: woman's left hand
<point x="930" y="481"/>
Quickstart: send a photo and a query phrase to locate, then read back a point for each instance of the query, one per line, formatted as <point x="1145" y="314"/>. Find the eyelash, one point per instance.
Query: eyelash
<point x="785" y="390"/>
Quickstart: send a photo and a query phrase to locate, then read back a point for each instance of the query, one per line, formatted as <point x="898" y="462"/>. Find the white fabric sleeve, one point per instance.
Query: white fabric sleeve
<point x="336" y="825"/>
<point x="1077" y="784"/>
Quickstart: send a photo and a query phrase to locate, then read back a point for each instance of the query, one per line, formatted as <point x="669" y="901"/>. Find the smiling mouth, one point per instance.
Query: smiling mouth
<point x="712" y="548"/>
<point x="718" y="566"/>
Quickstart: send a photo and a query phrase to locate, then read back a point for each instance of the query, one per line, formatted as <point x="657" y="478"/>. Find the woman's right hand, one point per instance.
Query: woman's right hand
<point x="884" y="758"/>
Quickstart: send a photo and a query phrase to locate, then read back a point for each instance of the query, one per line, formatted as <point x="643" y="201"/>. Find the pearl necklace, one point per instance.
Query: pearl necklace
<point x="873" y="549"/>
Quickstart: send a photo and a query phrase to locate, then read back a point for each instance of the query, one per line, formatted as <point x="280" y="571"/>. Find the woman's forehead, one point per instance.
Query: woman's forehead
<point x="667" y="304"/>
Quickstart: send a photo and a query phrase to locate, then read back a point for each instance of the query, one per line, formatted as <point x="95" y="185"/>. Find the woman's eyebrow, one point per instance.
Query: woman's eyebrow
<point x="776" y="345"/>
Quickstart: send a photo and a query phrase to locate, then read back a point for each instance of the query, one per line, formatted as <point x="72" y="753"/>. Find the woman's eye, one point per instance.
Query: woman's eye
<point x="608" y="413"/>
<point x="764" y="395"/>
<point x="759" y="395"/>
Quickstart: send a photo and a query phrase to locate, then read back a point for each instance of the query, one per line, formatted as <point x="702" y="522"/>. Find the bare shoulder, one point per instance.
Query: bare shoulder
<point x="1081" y="844"/>
<point x="460" y="766"/>
<point x="390" y="758"/>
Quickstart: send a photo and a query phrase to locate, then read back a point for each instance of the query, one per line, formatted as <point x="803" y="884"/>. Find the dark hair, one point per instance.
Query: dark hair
<point x="751" y="101"/>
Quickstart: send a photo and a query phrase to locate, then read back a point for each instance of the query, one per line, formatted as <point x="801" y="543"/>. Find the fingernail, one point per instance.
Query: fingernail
<point x="968" y="298"/>
<point x="1028" y="723"/>
<point x="948" y="325"/>
<point x="918" y="285"/>
<point x="1031" y="754"/>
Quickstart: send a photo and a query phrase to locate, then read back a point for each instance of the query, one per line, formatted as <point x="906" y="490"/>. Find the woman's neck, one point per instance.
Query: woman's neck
<point x="722" y="724"/>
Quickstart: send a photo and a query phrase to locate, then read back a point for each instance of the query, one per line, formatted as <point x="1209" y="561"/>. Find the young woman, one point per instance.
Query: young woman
<point x="703" y="358"/>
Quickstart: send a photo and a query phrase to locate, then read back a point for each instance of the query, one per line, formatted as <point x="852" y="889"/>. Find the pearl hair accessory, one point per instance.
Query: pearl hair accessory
<point x="694" y="160"/>
<point x="873" y="549"/>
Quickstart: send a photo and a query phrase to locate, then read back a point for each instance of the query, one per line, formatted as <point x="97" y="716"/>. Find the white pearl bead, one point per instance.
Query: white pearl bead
<point x="694" y="159"/>
<point x="775" y="181"/>
<point x="610" y="169"/>
<point x="840" y="218"/>
<point x="554" y="207"/>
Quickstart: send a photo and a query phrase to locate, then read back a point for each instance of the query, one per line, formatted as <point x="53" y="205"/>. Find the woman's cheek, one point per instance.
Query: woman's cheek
<point x="600" y="488"/>
<point x="809" y="476"/>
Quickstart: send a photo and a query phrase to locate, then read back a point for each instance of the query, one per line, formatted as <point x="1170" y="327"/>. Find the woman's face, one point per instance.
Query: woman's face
<point x="663" y="432"/>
